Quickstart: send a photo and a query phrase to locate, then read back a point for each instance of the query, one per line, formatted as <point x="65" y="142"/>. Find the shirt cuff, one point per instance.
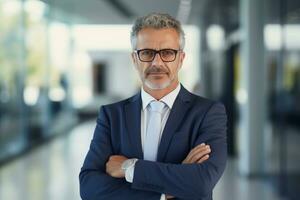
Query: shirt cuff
<point x="163" y="197"/>
<point x="129" y="172"/>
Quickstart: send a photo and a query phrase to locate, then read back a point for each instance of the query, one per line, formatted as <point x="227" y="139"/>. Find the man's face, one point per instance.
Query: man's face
<point x="158" y="74"/>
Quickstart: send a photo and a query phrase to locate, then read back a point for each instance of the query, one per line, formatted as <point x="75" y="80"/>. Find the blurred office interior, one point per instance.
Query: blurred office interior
<point x="60" y="60"/>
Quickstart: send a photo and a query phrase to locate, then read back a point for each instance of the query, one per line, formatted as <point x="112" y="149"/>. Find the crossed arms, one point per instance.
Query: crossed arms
<point x="102" y="178"/>
<point x="197" y="155"/>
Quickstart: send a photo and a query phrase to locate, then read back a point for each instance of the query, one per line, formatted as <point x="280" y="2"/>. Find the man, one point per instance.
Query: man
<point x="164" y="142"/>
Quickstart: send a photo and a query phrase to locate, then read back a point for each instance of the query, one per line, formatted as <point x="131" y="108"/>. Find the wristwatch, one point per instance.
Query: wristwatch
<point x="128" y="164"/>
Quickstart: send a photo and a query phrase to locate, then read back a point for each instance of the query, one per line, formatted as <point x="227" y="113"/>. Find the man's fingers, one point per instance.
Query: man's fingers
<point x="196" y="153"/>
<point x="204" y="158"/>
<point x="197" y="148"/>
<point x="113" y="166"/>
<point x="115" y="157"/>
<point x="199" y="154"/>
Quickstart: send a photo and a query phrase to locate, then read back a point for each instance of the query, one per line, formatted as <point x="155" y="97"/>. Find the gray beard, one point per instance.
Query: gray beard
<point x="154" y="86"/>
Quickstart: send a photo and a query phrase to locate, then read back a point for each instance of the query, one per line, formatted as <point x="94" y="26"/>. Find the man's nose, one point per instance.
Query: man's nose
<point x="157" y="60"/>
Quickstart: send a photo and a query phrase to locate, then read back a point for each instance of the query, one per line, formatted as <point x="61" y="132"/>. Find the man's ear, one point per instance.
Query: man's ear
<point x="181" y="58"/>
<point x="134" y="60"/>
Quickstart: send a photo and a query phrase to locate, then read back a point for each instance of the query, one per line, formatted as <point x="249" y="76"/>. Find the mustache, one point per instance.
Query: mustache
<point x="156" y="69"/>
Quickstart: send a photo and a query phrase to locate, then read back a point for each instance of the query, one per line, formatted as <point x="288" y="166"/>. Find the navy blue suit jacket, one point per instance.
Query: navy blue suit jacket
<point x="193" y="120"/>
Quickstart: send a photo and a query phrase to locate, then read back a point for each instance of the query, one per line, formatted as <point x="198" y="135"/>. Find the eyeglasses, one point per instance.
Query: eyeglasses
<point x="148" y="55"/>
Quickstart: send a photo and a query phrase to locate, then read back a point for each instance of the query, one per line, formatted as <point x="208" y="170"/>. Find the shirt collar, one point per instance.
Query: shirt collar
<point x="169" y="99"/>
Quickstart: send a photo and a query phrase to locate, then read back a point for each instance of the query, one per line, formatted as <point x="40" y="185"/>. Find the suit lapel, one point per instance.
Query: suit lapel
<point x="179" y="109"/>
<point x="133" y="124"/>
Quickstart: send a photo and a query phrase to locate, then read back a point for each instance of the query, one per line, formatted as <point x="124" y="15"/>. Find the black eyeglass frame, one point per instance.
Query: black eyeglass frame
<point x="137" y="51"/>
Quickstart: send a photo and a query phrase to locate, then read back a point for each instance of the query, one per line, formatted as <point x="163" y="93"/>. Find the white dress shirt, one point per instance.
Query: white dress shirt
<point x="169" y="100"/>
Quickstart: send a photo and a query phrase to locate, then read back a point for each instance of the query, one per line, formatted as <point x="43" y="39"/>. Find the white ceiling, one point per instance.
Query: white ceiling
<point x="104" y="11"/>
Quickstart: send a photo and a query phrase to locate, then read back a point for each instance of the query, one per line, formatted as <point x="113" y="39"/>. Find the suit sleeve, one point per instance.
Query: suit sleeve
<point x="189" y="181"/>
<point x="95" y="184"/>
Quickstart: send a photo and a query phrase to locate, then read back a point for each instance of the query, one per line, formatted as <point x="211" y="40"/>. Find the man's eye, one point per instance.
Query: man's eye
<point x="146" y="53"/>
<point x="167" y="53"/>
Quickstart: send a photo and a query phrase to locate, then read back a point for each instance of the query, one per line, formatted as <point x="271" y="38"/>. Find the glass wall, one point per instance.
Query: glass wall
<point x="36" y="65"/>
<point x="283" y="65"/>
<point x="11" y="66"/>
<point x="222" y="64"/>
<point x="35" y="57"/>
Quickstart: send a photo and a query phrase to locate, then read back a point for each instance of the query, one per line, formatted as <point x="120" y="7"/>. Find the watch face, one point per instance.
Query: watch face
<point x="126" y="163"/>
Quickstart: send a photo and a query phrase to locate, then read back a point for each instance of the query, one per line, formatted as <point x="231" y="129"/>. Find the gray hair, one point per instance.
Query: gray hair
<point x="156" y="21"/>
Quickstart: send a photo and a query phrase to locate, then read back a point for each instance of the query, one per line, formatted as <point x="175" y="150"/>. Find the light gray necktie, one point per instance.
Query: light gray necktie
<point x="153" y="130"/>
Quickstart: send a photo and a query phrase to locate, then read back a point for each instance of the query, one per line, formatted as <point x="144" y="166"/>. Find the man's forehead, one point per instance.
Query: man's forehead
<point x="158" y="35"/>
<point x="157" y="45"/>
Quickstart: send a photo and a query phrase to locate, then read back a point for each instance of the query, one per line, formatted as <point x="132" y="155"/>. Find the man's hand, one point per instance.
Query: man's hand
<point x="198" y="154"/>
<point x="113" y="166"/>
<point x="169" y="197"/>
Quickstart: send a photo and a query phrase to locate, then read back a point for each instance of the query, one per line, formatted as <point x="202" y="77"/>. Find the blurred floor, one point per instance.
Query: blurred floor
<point x="235" y="187"/>
<point x="51" y="173"/>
